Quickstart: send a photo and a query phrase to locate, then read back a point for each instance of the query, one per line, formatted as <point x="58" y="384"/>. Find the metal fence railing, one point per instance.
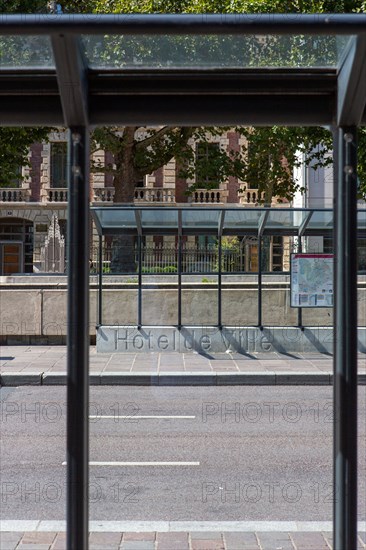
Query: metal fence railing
<point x="163" y="258"/>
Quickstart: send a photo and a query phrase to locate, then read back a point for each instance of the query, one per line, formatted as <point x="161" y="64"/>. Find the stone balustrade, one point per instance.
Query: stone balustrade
<point x="55" y="194"/>
<point x="155" y="194"/>
<point x="142" y="194"/>
<point x="252" y="197"/>
<point x="103" y="194"/>
<point x="209" y="196"/>
<point x="9" y="194"/>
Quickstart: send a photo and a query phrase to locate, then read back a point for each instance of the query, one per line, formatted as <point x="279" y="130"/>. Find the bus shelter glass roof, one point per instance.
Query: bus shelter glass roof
<point x="115" y="220"/>
<point x="182" y="51"/>
<point x="214" y="51"/>
<point x="182" y="70"/>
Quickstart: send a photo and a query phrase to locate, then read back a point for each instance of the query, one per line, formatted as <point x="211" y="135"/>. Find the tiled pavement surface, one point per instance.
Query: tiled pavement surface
<point x="16" y="359"/>
<point x="47" y="362"/>
<point x="176" y="541"/>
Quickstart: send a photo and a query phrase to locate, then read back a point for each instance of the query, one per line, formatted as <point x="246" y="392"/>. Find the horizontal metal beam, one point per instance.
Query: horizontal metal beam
<point x="184" y="24"/>
<point x="121" y="83"/>
<point x="241" y="82"/>
<point x="177" y="110"/>
<point x="34" y="111"/>
<point x="222" y="110"/>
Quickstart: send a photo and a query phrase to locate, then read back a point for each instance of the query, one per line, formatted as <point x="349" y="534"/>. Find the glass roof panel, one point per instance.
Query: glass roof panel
<point x="213" y="51"/>
<point x="321" y="220"/>
<point x="197" y="219"/>
<point x="201" y="219"/>
<point x="25" y="51"/>
<point x="114" y="218"/>
<point x="285" y="219"/>
<point x="361" y="219"/>
<point x="159" y="218"/>
<point x="242" y="219"/>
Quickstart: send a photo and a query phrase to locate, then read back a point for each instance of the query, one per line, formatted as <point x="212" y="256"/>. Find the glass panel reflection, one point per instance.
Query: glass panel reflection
<point x="213" y="51"/>
<point x="321" y="219"/>
<point x="25" y="51"/>
<point x="116" y="217"/>
<point x="195" y="218"/>
<point x="159" y="218"/>
<point x="242" y="219"/>
<point x="285" y="219"/>
<point x="361" y="219"/>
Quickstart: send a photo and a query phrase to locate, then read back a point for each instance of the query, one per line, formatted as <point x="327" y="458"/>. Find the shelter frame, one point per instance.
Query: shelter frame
<point x="72" y="93"/>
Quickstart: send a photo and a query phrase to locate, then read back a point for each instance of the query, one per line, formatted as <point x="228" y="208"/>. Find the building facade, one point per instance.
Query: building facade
<point x="27" y="208"/>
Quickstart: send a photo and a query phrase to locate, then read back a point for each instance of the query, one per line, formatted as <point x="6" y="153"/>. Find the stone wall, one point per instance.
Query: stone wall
<point x="39" y="312"/>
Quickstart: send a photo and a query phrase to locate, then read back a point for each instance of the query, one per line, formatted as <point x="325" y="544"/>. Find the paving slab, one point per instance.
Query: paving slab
<point x="179" y="540"/>
<point x="45" y="365"/>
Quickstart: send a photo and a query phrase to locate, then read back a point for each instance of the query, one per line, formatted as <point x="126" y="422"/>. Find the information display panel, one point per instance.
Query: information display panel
<point x="312" y="280"/>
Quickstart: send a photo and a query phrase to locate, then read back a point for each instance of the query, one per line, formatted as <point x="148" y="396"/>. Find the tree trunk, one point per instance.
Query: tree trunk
<point x="125" y="179"/>
<point x="268" y="193"/>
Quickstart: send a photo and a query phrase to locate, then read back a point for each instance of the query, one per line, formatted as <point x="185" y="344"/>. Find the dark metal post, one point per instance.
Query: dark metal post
<point x="219" y="281"/>
<point x="345" y="342"/>
<point x="179" y="282"/>
<point x="260" y="282"/>
<point x="78" y="341"/>
<point x="139" y="313"/>
<point x="100" y="281"/>
<point x="299" y="310"/>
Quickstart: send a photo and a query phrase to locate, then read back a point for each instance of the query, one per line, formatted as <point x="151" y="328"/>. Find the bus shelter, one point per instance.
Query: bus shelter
<point x="199" y="70"/>
<point x="218" y="222"/>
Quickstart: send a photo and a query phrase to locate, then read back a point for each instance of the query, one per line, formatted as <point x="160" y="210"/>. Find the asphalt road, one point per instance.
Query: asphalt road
<point x="249" y="453"/>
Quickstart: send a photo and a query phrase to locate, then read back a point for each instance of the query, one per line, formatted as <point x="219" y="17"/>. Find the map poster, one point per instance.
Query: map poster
<point x="311" y="280"/>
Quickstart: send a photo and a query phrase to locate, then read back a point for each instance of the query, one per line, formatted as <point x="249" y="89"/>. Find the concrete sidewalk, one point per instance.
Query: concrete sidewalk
<point x="46" y="365"/>
<point x="177" y="541"/>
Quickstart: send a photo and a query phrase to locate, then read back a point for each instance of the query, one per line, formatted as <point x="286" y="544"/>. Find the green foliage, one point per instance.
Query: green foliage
<point x="273" y="152"/>
<point x="41" y="6"/>
<point x="229" y="6"/>
<point x="14" y="148"/>
<point x="23" y="6"/>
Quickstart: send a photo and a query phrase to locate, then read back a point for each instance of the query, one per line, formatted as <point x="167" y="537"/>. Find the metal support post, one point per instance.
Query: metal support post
<point x="219" y="288"/>
<point x="299" y="310"/>
<point x="345" y="342"/>
<point x="139" y="313"/>
<point x="260" y="282"/>
<point x="100" y="281"/>
<point x="78" y="341"/>
<point x="179" y="282"/>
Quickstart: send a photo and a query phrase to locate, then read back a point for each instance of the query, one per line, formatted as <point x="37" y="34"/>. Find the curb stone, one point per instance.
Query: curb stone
<point x="176" y="379"/>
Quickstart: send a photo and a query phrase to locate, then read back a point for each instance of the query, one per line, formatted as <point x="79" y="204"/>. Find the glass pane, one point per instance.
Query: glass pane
<point x="285" y="219"/>
<point x="361" y="219"/>
<point x="213" y="51"/>
<point x="116" y="217"/>
<point x="321" y="219"/>
<point x="200" y="219"/>
<point x="25" y="51"/>
<point x="242" y="219"/>
<point x="159" y="218"/>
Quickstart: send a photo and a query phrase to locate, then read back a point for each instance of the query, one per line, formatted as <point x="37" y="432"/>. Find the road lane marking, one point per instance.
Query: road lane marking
<point x="141" y="417"/>
<point x="138" y="463"/>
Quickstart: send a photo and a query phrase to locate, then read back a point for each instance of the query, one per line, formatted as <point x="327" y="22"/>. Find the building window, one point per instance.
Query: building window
<point x="16" y="246"/>
<point x="207" y="156"/>
<point x="58" y="169"/>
